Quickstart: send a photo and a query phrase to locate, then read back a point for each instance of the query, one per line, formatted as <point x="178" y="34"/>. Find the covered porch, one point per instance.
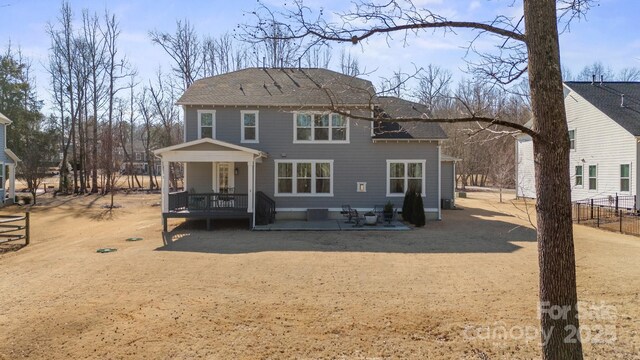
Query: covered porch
<point x="219" y="181"/>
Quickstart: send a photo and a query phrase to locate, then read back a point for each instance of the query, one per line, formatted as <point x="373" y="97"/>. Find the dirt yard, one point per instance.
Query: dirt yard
<point x="462" y="288"/>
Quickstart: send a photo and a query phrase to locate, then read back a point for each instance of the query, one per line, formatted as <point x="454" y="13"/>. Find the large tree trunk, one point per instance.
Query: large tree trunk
<point x="551" y="152"/>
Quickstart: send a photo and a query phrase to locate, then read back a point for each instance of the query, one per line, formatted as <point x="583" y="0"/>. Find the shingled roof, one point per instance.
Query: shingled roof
<point x="394" y="107"/>
<point x="280" y="87"/>
<point x="607" y="97"/>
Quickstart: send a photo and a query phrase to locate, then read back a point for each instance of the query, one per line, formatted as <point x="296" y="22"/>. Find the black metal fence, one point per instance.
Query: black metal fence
<point x="614" y="213"/>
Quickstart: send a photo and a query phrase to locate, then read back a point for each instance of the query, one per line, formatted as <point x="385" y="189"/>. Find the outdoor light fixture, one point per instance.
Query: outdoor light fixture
<point x="235" y="171"/>
<point x="362" y="187"/>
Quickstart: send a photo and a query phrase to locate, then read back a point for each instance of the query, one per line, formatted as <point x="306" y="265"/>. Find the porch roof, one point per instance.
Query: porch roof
<point x="207" y="149"/>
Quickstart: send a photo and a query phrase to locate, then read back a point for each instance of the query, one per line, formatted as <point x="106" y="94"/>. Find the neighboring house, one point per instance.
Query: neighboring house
<point x="139" y="163"/>
<point x="8" y="162"/>
<point x="258" y="140"/>
<point x="604" y="129"/>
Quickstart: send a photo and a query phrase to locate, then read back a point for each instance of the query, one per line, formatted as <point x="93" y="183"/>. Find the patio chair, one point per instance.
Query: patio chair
<point x="348" y="213"/>
<point x="359" y="218"/>
<point x="225" y="199"/>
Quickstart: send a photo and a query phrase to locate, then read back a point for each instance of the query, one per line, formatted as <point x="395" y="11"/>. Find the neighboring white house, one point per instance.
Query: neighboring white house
<point x="604" y="129"/>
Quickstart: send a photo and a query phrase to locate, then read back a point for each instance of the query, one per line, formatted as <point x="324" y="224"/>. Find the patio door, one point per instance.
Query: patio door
<point x="224" y="177"/>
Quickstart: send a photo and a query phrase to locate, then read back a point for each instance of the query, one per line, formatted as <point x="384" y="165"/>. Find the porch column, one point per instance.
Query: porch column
<point x="165" y="186"/>
<point x="12" y="183"/>
<point x="250" y="186"/>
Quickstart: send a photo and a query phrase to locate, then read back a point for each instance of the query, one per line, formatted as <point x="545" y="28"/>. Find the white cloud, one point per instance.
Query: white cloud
<point x="475" y="5"/>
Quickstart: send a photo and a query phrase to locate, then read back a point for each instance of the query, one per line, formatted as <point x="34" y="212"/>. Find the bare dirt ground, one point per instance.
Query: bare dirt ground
<point x="462" y="288"/>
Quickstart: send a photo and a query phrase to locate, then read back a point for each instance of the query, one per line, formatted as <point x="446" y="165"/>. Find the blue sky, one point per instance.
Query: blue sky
<point x="609" y="33"/>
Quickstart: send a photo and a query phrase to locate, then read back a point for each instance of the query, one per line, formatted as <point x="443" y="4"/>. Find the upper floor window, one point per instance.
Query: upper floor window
<point x="572" y="139"/>
<point x="593" y="177"/>
<point x="578" y="181"/>
<point x="403" y="175"/>
<point x="206" y="124"/>
<point x="249" y="129"/>
<point x="320" y="128"/>
<point x="625" y="177"/>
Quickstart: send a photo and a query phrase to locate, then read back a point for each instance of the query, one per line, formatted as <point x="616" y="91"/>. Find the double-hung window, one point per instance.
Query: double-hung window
<point x="311" y="127"/>
<point x="625" y="177"/>
<point x="304" y="178"/>
<point x="403" y="175"/>
<point x="578" y="175"/>
<point x="2" y="175"/>
<point x="572" y="139"/>
<point x="206" y="124"/>
<point x="249" y="133"/>
<point x="593" y="177"/>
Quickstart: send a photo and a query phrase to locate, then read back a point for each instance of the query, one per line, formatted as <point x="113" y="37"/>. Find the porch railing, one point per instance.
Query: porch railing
<point x="207" y="202"/>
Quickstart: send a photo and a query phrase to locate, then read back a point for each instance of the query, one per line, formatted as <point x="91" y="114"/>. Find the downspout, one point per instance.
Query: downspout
<point x="637" y="170"/>
<point x="455" y="183"/>
<point x="253" y="204"/>
<point x="439" y="183"/>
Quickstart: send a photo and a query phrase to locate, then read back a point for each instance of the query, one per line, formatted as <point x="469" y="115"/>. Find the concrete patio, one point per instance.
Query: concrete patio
<point x="328" y="225"/>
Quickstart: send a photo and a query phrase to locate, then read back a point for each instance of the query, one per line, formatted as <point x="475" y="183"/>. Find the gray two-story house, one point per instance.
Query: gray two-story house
<point x="288" y="140"/>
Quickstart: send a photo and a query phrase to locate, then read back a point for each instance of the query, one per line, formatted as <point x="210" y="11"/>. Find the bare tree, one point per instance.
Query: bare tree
<point x="596" y="69"/>
<point x="163" y="98"/>
<point x="95" y="57"/>
<point x="61" y="64"/>
<point x="349" y="64"/>
<point x="116" y="68"/>
<point x="629" y="74"/>
<point x="149" y="133"/>
<point x="185" y="48"/>
<point x="433" y="88"/>
<point x="526" y="45"/>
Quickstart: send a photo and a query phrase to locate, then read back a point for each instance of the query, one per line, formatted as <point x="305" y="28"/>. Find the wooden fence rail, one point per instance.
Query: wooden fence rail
<point x="8" y="229"/>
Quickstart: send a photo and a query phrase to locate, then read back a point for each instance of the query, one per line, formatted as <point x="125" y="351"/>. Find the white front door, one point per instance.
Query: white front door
<point x="224" y="177"/>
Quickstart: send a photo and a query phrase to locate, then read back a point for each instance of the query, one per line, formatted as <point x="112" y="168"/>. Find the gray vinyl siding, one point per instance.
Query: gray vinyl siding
<point x="359" y="160"/>
<point x="199" y="177"/>
<point x="446" y="184"/>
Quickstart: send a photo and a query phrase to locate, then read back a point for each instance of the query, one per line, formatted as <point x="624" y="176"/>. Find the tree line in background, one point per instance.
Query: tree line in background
<point x="105" y="118"/>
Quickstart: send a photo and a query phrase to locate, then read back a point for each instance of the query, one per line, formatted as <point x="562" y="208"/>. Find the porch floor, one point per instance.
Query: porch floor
<point x="327" y="225"/>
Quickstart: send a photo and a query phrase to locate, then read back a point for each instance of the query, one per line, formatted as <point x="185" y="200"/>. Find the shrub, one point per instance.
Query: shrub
<point x="407" y="205"/>
<point x="417" y="213"/>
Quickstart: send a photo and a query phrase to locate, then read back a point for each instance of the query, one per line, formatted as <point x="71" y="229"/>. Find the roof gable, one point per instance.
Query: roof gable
<point x="607" y="98"/>
<point x="208" y="144"/>
<point x="4" y="119"/>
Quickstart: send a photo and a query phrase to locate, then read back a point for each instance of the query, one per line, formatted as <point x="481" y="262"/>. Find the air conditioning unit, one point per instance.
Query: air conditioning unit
<point x="447" y="204"/>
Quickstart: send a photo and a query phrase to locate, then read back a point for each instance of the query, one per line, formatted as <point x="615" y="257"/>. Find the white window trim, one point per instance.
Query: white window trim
<point x="295" y="128"/>
<point x="620" y="178"/>
<point x="589" y="178"/>
<point x="242" y="139"/>
<point x="575" y="140"/>
<point x="294" y="184"/>
<point x="574" y="174"/>
<point x="213" y="124"/>
<point x="406" y="179"/>
<point x="216" y="170"/>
